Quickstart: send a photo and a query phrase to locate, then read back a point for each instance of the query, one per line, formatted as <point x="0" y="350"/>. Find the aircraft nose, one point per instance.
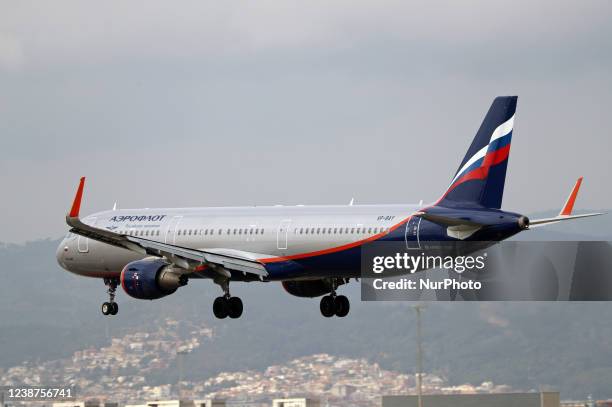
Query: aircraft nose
<point x="61" y="252"/>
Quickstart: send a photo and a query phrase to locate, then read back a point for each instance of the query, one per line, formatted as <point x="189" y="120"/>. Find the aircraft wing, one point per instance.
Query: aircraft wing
<point x="566" y="211"/>
<point x="220" y="261"/>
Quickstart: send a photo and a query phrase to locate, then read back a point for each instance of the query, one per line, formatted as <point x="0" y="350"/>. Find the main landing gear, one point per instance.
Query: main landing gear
<point x="226" y="305"/>
<point x="111" y="307"/>
<point x="333" y="304"/>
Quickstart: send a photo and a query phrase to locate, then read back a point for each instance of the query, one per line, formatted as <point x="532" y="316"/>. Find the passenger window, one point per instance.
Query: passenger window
<point x="335" y="230"/>
<point x="318" y="231"/>
<point x="220" y="231"/>
<point x="251" y="231"/>
<point x="301" y="231"/>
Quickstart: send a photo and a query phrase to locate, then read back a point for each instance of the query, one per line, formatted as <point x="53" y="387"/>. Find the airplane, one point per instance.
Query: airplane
<point x="311" y="250"/>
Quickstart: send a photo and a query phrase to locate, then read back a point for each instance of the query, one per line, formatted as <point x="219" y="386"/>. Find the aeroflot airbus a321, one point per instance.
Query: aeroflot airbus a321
<point x="312" y="250"/>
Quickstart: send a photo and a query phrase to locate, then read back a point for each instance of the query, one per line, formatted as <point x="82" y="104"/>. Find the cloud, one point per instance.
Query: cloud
<point x="67" y="31"/>
<point x="11" y="53"/>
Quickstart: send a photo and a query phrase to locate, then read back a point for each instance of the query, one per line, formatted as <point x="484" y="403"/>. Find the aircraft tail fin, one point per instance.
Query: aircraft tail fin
<point x="481" y="176"/>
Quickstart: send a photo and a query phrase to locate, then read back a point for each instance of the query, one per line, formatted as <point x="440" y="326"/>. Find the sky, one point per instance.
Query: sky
<point x="206" y="103"/>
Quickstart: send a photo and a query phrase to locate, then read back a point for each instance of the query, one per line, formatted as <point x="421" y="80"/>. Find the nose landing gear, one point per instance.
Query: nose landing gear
<point x="111" y="307"/>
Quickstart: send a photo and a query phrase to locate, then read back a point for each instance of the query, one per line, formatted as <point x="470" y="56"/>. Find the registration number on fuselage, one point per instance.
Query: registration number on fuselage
<point x="385" y="217"/>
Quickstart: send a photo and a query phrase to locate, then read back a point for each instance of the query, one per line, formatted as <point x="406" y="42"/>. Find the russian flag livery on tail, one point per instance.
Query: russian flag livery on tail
<point x="311" y="250"/>
<point x="480" y="179"/>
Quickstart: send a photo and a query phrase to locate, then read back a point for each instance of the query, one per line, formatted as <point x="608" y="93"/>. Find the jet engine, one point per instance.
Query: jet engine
<point x="310" y="288"/>
<point x="150" y="279"/>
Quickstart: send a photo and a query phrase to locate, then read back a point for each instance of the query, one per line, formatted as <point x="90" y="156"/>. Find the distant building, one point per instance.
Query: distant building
<point x="209" y="403"/>
<point x="181" y="403"/>
<point x="543" y="399"/>
<point x="295" y="402"/>
<point x="88" y="403"/>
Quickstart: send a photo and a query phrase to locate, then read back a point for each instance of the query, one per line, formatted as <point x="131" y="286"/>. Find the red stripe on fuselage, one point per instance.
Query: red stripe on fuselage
<point x="333" y="249"/>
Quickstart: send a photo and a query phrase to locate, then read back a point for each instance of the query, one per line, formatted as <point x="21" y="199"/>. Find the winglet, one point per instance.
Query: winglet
<point x="571" y="199"/>
<point x="76" y="204"/>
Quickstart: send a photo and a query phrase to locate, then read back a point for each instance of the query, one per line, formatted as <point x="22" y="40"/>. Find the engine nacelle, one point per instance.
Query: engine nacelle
<point x="150" y="279"/>
<point x="310" y="288"/>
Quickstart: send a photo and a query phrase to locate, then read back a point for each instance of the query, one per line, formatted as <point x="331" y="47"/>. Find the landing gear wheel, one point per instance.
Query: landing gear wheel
<point x="327" y="306"/>
<point x="234" y="307"/>
<point x="114" y="308"/>
<point x="106" y="308"/>
<point x="111" y="307"/>
<point x="220" y="307"/>
<point x="341" y="306"/>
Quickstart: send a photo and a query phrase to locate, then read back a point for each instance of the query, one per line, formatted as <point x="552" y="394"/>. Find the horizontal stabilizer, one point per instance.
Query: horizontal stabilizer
<point x="556" y="219"/>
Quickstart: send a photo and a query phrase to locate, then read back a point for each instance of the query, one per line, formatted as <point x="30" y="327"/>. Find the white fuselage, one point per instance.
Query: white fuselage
<point x="269" y="231"/>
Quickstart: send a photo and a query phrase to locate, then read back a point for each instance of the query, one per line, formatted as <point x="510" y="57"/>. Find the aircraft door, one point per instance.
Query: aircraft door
<point x="282" y="234"/>
<point x="171" y="230"/>
<point x="412" y="233"/>
<point x="83" y="242"/>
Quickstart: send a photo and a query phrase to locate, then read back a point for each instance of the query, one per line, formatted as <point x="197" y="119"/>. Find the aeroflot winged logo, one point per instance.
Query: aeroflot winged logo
<point x="137" y="218"/>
